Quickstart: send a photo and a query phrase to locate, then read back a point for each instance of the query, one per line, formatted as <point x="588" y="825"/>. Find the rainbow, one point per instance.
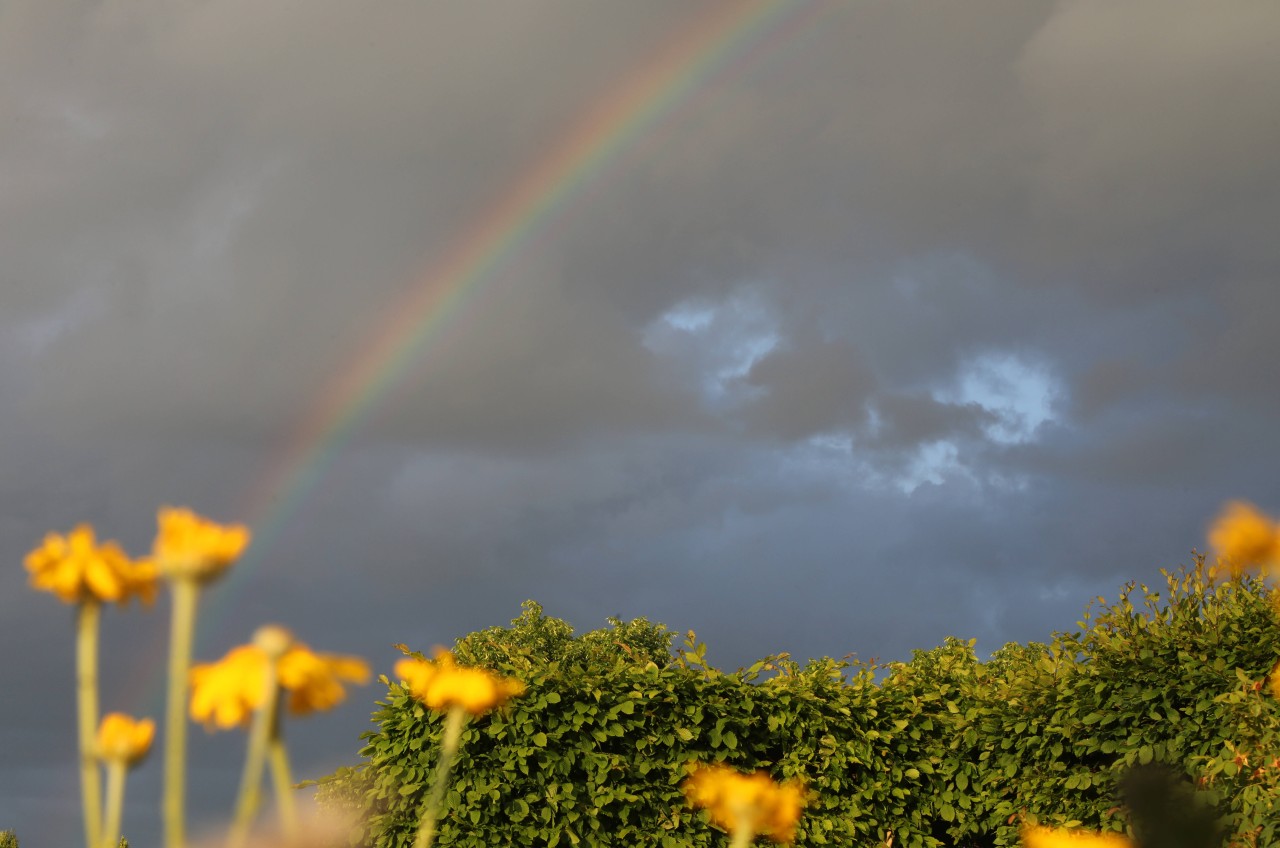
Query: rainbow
<point x="722" y="39"/>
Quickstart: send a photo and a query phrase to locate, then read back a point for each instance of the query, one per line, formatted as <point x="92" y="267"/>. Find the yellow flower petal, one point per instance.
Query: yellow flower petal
<point x="103" y="579"/>
<point x="415" y="673"/>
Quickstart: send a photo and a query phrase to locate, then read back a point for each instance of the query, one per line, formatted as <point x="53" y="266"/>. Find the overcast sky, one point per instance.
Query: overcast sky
<point x="887" y="322"/>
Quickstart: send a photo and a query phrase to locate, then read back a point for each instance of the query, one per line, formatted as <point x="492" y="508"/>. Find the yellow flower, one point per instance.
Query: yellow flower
<point x="225" y="694"/>
<point x="442" y="684"/>
<point x="189" y="546"/>
<point x="123" y="740"/>
<point x="76" y="569"/>
<point x="314" y="680"/>
<point x="754" y="802"/>
<point x="1244" y="538"/>
<point x="1048" y="837"/>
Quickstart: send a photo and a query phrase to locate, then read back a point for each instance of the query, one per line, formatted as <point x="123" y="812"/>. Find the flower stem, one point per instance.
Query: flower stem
<point x="741" y="838"/>
<point x="87" y="619"/>
<point x="183" y="624"/>
<point x="255" y="759"/>
<point x="280" y="775"/>
<point x="115" y="803"/>
<point x="448" y="750"/>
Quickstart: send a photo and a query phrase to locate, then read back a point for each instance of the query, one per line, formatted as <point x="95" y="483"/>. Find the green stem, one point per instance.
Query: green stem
<point x="254" y="761"/>
<point x="745" y="819"/>
<point x="87" y="620"/>
<point x="283" y="781"/>
<point x="448" y="750"/>
<point x="115" y="803"/>
<point x="183" y="624"/>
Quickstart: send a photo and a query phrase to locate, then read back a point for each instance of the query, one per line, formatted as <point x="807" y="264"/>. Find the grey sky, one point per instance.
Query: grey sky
<point x="917" y="320"/>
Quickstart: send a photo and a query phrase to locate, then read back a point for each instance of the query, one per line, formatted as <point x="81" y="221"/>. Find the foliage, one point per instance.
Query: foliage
<point x="534" y="640"/>
<point x="942" y="750"/>
<point x="8" y="839"/>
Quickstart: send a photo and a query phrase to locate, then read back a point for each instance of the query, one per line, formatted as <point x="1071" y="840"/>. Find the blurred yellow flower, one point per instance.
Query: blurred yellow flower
<point x="1244" y="538"/>
<point x="442" y="684"/>
<point x="314" y="681"/>
<point x="121" y="739"/>
<point x="225" y="694"/>
<point x="751" y="802"/>
<point x="189" y="546"/>
<point x="1048" y="837"/>
<point x="76" y="569"/>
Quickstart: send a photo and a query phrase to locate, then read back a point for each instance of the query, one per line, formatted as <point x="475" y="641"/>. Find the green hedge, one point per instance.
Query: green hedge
<point x="942" y="750"/>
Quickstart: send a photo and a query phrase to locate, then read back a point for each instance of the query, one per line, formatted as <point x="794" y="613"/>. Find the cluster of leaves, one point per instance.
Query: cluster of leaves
<point x="535" y="640"/>
<point x="942" y="750"/>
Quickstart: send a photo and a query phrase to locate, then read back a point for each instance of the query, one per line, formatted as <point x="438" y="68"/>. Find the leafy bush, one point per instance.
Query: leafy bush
<point x="535" y="640"/>
<point x="942" y="750"/>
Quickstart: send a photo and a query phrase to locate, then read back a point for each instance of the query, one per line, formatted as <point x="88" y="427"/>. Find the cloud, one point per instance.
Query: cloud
<point x="1150" y="125"/>
<point x="808" y="391"/>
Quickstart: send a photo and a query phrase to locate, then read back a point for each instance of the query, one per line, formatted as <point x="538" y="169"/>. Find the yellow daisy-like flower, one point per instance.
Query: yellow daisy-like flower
<point x="314" y="681"/>
<point x="226" y="693"/>
<point x="442" y="684"/>
<point x="124" y="740"/>
<point x="752" y="802"/>
<point x="76" y="569"/>
<point x="189" y="546"/>
<point x="1049" y="837"/>
<point x="1244" y="538"/>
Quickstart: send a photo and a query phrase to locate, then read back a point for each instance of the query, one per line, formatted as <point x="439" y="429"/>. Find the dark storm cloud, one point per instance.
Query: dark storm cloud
<point x="809" y="391"/>
<point x="252" y="184"/>
<point x="912" y="419"/>
<point x="1149" y="127"/>
<point x="902" y="326"/>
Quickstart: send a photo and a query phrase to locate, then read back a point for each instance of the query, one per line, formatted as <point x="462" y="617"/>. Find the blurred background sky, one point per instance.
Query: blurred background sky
<point x="814" y="327"/>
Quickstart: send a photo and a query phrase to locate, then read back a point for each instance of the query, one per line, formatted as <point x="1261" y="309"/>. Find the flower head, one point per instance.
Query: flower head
<point x="754" y="802"/>
<point x="122" y="739"/>
<point x="76" y="569"/>
<point x="314" y="680"/>
<point x="226" y="693"/>
<point x="1048" y="837"/>
<point x="441" y="684"/>
<point x="189" y="546"/>
<point x="1244" y="538"/>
